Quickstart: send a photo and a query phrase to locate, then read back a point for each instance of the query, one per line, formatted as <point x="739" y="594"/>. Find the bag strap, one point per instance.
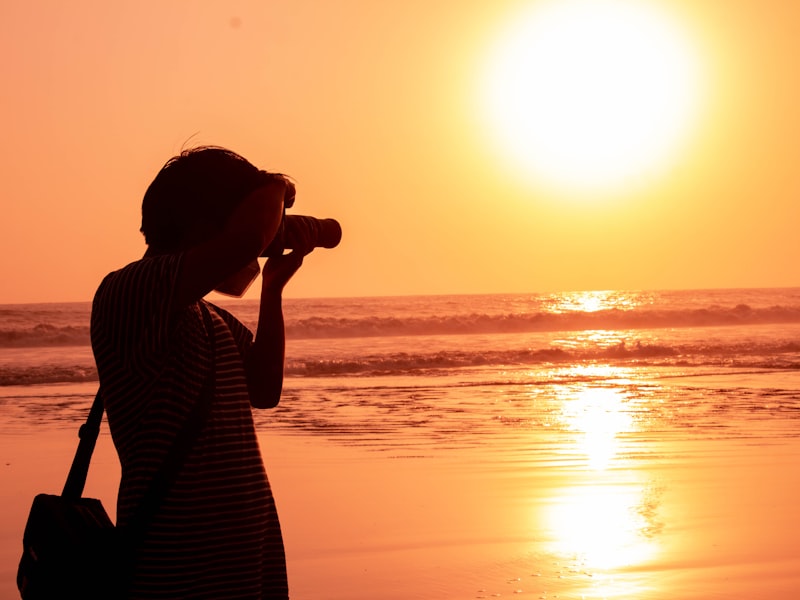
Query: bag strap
<point x="76" y="479"/>
<point x="168" y="472"/>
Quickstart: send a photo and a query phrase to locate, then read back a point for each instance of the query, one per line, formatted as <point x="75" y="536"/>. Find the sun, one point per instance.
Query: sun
<point x="591" y="95"/>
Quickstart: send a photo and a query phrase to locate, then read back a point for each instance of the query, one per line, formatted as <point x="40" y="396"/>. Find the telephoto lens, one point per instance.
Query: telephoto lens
<point x="295" y="229"/>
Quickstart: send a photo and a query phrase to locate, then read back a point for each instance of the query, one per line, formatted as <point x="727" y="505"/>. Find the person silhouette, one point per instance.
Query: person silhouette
<point x="206" y="217"/>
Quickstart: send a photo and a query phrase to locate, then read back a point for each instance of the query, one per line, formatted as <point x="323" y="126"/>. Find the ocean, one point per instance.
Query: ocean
<point x="596" y="400"/>
<point x="415" y="359"/>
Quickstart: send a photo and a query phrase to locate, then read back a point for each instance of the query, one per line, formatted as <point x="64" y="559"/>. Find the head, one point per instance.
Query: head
<point x="193" y="196"/>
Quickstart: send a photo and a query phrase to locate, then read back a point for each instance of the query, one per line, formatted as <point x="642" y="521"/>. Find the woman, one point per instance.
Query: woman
<point x="163" y="353"/>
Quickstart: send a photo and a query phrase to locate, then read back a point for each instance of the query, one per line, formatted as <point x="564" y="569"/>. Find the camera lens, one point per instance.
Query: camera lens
<point x="296" y="230"/>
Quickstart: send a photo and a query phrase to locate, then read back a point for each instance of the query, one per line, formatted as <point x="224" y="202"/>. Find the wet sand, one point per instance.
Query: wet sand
<point x="714" y="519"/>
<point x="668" y="517"/>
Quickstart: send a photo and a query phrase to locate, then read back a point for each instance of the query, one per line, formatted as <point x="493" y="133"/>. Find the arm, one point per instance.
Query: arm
<point x="249" y="230"/>
<point x="264" y="364"/>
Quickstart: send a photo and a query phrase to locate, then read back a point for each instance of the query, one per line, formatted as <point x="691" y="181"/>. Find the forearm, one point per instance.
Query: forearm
<point x="266" y="357"/>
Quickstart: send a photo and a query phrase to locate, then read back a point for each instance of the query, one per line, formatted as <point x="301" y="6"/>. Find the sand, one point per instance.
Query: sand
<point x="709" y="518"/>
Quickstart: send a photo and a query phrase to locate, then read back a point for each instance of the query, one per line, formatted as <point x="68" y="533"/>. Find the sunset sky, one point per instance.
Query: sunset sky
<point x="379" y="111"/>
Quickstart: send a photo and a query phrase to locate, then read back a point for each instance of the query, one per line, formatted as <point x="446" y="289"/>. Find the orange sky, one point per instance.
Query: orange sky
<point x="371" y="106"/>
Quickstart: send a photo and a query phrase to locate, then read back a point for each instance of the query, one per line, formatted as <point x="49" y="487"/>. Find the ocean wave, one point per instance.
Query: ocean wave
<point x="478" y="323"/>
<point x="777" y="355"/>
<point x="37" y="375"/>
<point x="45" y="334"/>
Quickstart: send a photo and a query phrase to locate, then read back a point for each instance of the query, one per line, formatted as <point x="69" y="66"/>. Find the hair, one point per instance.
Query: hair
<point x="199" y="188"/>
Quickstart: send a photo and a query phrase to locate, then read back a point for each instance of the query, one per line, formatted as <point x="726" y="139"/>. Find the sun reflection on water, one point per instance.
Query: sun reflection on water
<point x="604" y="517"/>
<point x="598" y="416"/>
<point x="593" y="301"/>
<point x="605" y="526"/>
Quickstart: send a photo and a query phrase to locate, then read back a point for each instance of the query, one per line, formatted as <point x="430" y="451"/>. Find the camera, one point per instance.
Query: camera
<point x="295" y="229"/>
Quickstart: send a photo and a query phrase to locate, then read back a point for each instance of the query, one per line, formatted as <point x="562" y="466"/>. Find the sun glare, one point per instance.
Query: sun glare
<point x="599" y="416"/>
<point x="604" y="516"/>
<point x="590" y="95"/>
<point x="606" y="526"/>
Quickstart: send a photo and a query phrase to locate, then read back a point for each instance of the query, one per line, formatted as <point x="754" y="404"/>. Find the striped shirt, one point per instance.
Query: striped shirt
<point x="216" y="534"/>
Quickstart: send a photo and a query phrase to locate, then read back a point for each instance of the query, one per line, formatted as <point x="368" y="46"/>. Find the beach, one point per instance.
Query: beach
<point x="536" y="270"/>
<point x="578" y="462"/>
<point x="666" y="515"/>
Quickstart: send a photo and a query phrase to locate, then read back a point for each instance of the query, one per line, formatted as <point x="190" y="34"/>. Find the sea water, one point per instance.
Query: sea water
<point x="433" y="365"/>
<point x="597" y="429"/>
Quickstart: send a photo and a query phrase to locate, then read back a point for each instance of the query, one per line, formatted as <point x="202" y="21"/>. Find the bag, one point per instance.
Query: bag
<point x="70" y="550"/>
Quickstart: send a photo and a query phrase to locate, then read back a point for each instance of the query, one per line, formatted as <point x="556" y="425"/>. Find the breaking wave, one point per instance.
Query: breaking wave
<point x="46" y="334"/>
<point x="479" y="323"/>
<point x="778" y="355"/>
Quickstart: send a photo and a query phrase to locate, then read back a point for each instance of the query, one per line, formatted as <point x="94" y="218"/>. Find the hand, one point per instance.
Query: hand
<point x="289" y="190"/>
<point x="279" y="270"/>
